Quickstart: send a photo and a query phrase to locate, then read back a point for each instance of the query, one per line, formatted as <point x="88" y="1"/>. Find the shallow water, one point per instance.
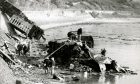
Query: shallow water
<point x="109" y="79"/>
<point x="125" y="52"/>
<point x="125" y="55"/>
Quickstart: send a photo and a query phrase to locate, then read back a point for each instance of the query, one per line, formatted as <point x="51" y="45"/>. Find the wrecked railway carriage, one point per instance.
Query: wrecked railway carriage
<point x="64" y="52"/>
<point x="80" y="54"/>
<point x="16" y="20"/>
<point x="67" y="49"/>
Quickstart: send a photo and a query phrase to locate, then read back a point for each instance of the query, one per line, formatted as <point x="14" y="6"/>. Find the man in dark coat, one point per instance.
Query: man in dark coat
<point x="79" y="33"/>
<point x="47" y="63"/>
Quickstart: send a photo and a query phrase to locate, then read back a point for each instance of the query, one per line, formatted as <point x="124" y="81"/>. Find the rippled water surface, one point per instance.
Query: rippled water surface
<point x="125" y="52"/>
<point x="125" y="55"/>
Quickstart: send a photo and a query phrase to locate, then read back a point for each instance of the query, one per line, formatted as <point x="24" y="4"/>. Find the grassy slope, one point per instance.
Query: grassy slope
<point x="84" y="4"/>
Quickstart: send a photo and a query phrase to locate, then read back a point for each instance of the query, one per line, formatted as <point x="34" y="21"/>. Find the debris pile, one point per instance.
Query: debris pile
<point x="73" y="51"/>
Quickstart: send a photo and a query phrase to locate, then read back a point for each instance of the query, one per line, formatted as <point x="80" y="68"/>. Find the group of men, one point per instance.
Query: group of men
<point x="22" y="47"/>
<point x="73" y="37"/>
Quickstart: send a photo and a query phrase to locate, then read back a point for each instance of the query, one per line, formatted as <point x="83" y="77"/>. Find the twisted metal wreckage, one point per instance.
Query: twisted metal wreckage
<point x="76" y="49"/>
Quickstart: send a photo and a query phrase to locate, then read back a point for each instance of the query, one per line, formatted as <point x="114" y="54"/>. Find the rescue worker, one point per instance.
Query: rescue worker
<point x="72" y="36"/>
<point x="103" y="52"/>
<point x="47" y="64"/>
<point x="18" y="48"/>
<point x="79" y="33"/>
<point x="25" y="48"/>
<point x="53" y="66"/>
<point x="102" y="60"/>
<point x="71" y="67"/>
<point x="85" y="72"/>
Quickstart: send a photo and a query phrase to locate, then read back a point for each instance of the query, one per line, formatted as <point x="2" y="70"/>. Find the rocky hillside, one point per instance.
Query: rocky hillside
<point x="76" y="4"/>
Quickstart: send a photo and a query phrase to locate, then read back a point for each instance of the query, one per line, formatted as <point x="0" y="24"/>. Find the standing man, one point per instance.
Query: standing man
<point x="71" y="67"/>
<point x="79" y="33"/>
<point x="47" y="64"/>
<point x="103" y="52"/>
<point x="53" y="66"/>
<point x="72" y="36"/>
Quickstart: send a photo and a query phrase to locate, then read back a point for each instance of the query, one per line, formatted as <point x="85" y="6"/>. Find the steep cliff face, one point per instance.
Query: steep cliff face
<point x="76" y="4"/>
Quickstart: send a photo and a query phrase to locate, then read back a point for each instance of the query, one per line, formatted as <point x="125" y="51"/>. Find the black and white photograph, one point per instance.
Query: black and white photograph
<point x="69" y="41"/>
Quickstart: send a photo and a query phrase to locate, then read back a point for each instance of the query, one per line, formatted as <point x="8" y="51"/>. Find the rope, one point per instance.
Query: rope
<point x="56" y="50"/>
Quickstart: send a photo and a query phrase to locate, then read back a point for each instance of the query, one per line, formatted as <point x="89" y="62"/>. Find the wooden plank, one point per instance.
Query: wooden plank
<point x="7" y="56"/>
